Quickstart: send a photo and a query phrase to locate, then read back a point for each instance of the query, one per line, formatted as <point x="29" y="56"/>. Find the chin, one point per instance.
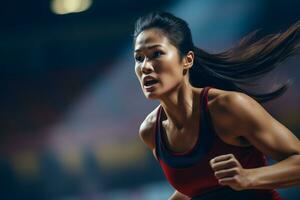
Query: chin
<point x="151" y="96"/>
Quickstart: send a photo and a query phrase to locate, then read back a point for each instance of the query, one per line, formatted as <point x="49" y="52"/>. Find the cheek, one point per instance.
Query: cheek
<point x="137" y="71"/>
<point x="172" y="72"/>
<point x="172" y="66"/>
<point x="171" y="79"/>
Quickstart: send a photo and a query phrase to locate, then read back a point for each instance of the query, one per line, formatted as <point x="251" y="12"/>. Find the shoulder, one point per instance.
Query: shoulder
<point x="233" y="113"/>
<point x="232" y="102"/>
<point x="147" y="129"/>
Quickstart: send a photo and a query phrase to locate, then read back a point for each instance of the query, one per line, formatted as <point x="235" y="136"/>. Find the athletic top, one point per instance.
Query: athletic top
<point x="190" y="172"/>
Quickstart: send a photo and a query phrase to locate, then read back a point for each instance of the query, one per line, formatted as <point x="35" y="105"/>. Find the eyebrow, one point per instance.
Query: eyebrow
<point x="149" y="47"/>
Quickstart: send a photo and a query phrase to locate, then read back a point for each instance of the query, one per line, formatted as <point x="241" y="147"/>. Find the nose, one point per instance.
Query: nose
<point x="147" y="66"/>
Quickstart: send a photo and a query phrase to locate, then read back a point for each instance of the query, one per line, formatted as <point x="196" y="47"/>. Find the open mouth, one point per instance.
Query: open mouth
<point x="150" y="83"/>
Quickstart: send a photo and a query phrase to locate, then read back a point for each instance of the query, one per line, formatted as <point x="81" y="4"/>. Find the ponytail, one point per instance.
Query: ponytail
<point x="246" y="62"/>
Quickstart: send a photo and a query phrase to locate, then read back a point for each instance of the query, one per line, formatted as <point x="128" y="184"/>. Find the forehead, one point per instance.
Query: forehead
<point x="151" y="37"/>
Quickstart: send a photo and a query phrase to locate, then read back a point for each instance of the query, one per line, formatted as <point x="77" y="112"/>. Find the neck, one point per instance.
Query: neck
<point x="179" y="105"/>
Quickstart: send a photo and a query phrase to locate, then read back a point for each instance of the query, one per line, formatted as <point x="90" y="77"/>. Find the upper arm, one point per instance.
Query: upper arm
<point x="251" y="121"/>
<point x="147" y="132"/>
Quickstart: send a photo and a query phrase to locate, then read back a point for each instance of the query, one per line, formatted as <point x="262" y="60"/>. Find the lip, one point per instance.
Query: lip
<point x="148" y="78"/>
<point x="150" y="88"/>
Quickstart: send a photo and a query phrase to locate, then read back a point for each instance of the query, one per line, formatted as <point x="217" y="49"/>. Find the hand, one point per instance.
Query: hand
<point x="229" y="172"/>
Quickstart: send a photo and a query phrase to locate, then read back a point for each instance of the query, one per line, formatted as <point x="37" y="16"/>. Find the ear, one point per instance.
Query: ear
<point x="188" y="60"/>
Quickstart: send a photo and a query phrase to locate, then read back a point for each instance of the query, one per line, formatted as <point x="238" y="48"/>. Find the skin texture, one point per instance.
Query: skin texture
<point x="237" y="119"/>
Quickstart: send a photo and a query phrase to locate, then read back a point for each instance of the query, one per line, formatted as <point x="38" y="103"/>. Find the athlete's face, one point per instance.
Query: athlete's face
<point x="156" y="57"/>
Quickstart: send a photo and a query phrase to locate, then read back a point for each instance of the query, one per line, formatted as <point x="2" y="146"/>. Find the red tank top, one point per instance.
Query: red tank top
<point x="190" y="172"/>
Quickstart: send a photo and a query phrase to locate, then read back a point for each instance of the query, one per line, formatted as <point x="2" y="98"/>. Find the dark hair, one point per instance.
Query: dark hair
<point x="238" y="66"/>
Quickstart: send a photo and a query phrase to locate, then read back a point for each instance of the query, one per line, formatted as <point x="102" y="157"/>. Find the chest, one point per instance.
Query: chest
<point x="180" y="140"/>
<point x="185" y="139"/>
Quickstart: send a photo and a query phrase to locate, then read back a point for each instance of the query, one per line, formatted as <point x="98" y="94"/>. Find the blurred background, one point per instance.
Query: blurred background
<point x="71" y="106"/>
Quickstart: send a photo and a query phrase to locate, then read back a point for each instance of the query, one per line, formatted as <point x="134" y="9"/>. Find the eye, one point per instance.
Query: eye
<point x="157" y="54"/>
<point x="139" y="58"/>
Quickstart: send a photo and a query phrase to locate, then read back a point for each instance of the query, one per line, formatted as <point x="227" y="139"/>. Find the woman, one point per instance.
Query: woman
<point x="208" y="134"/>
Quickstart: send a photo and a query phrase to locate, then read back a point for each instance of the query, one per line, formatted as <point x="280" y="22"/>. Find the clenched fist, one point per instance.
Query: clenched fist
<point x="229" y="171"/>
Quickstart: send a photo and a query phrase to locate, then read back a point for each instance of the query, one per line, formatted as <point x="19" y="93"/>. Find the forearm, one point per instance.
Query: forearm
<point x="178" y="196"/>
<point x="282" y="174"/>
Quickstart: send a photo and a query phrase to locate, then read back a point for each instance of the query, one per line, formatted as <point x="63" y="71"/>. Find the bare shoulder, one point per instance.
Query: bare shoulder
<point x="147" y="129"/>
<point x="232" y="102"/>
<point x="222" y="95"/>
<point x="228" y="109"/>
